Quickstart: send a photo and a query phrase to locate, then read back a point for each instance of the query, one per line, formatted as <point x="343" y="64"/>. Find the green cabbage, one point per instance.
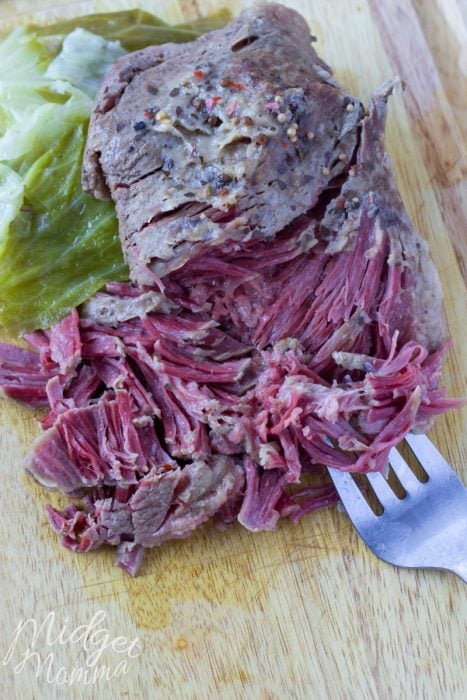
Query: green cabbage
<point x="62" y="246"/>
<point x="11" y="201"/>
<point x="36" y="111"/>
<point x="134" y="29"/>
<point x="58" y="246"/>
<point x="84" y="59"/>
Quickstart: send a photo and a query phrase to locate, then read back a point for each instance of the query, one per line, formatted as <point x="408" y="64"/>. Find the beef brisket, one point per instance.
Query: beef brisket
<point x="167" y="503"/>
<point x="229" y="137"/>
<point x="299" y="326"/>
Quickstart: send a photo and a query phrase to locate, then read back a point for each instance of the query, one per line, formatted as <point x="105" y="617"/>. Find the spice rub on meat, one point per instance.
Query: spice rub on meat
<point x="229" y="137"/>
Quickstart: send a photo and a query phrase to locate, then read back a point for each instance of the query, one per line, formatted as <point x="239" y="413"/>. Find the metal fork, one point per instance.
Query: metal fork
<point x="425" y="529"/>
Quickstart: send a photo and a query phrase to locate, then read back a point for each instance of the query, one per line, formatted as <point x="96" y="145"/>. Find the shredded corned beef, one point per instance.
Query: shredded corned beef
<point x="153" y="393"/>
<point x="264" y="362"/>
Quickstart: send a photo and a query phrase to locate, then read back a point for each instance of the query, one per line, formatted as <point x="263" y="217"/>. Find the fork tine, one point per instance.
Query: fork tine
<point x="384" y="492"/>
<point x="431" y="460"/>
<point x="355" y="504"/>
<point x="403" y="472"/>
<point x="426" y="529"/>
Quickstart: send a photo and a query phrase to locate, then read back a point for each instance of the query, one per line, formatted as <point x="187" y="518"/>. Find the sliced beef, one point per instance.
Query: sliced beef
<point x="226" y="138"/>
<point x="161" y="403"/>
<point x="162" y="506"/>
<point x="98" y="444"/>
<point x="298" y="325"/>
<point x="349" y="278"/>
<point x="412" y="300"/>
<point x="22" y="377"/>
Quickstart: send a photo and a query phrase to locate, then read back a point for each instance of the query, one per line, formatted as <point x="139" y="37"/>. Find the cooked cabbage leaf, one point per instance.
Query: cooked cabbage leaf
<point x="62" y="246"/>
<point x="134" y="29"/>
<point x="36" y="111"/>
<point x="11" y="200"/>
<point x="84" y="60"/>
<point x="58" y="245"/>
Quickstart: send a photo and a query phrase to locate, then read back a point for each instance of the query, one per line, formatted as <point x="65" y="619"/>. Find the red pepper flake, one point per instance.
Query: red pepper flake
<point x="223" y="192"/>
<point x="167" y="467"/>
<point x="231" y="108"/>
<point x="211" y="102"/>
<point x="236" y="86"/>
<point x="228" y="82"/>
<point x="198" y="73"/>
<point x="149" y="115"/>
<point x="272" y="106"/>
<point x="181" y="502"/>
<point x="340" y="203"/>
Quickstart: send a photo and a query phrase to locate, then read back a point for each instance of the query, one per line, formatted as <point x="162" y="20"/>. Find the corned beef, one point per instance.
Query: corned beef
<point x="256" y="361"/>
<point x="229" y="137"/>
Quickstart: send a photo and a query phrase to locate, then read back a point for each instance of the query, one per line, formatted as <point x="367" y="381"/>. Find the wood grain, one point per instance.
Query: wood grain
<point x="445" y="32"/>
<point x="304" y="612"/>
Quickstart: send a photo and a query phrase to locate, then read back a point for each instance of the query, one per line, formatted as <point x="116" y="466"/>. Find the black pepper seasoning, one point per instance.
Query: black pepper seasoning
<point x="199" y="104"/>
<point x="214" y="121"/>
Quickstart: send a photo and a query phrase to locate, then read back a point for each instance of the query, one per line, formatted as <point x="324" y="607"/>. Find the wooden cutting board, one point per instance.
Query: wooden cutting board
<point x="306" y="611"/>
